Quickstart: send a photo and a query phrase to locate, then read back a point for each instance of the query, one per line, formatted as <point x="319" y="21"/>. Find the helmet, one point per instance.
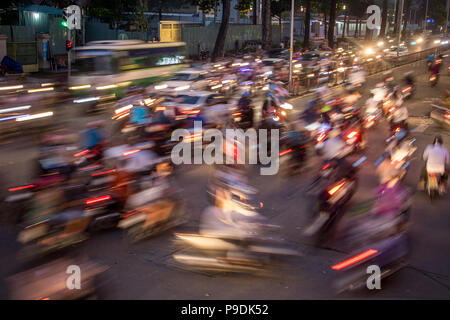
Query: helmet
<point x="437" y="139"/>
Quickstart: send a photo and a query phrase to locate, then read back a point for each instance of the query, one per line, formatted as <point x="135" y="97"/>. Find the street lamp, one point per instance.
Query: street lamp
<point x="291" y="49"/>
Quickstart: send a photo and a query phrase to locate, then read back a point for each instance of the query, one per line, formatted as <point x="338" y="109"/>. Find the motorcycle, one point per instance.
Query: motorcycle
<point x="331" y="199"/>
<point x="433" y="79"/>
<point x="432" y="184"/>
<point x="219" y="253"/>
<point x="152" y="211"/>
<point x="388" y="254"/>
<point x="408" y="91"/>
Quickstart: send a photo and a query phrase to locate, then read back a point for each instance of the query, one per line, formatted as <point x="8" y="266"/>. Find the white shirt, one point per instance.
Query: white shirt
<point x="334" y="148"/>
<point x="400" y="114"/>
<point x="436" y="157"/>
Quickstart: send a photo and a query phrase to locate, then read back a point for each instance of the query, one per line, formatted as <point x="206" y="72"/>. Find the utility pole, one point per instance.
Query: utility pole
<point x="446" y="20"/>
<point x="426" y="14"/>
<point x="400" y="13"/>
<point x="291" y="49"/>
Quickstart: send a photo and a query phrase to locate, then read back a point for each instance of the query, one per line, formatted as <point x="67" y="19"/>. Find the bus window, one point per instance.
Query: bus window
<point x="97" y="65"/>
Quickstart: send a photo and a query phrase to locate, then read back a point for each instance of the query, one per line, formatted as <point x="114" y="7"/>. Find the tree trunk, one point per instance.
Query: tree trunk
<point x="359" y="28"/>
<point x="266" y="25"/>
<point x="255" y="11"/>
<point x="325" y="27"/>
<point x="383" y="19"/>
<point x="356" y="28"/>
<point x="405" y="22"/>
<point x="281" y="29"/>
<point x="397" y="9"/>
<point x="307" y="24"/>
<point x="203" y="18"/>
<point x="332" y="23"/>
<point x="220" y="40"/>
<point x="344" y="26"/>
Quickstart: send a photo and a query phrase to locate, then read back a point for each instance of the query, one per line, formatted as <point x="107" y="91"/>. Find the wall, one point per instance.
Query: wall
<point x="193" y="36"/>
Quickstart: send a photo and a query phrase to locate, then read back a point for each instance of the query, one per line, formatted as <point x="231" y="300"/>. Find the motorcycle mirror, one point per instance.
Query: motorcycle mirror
<point x="361" y="160"/>
<point x="379" y="160"/>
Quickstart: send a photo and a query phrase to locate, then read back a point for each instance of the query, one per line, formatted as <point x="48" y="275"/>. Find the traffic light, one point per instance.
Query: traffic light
<point x="69" y="45"/>
<point x="64" y="23"/>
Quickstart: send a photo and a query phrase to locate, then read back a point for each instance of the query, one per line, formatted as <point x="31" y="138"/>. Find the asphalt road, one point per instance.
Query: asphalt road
<point x="146" y="270"/>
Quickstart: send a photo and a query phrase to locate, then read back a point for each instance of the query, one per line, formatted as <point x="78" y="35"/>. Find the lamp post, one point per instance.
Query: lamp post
<point x="291" y="47"/>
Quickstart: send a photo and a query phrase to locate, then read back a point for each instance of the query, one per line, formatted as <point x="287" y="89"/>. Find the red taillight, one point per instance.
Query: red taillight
<point x="97" y="200"/>
<point x="129" y="214"/>
<point x="127" y="153"/>
<point x="335" y="188"/>
<point x="354" y="260"/>
<point x="325" y="167"/>
<point x="285" y="152"/>
<point x="104" y="172"/>
<point x="447" y="116"/>
<point x="397" y="129"/>
<point x="195" y="111"/>
<point x="406" y="89"/>
<point x="352" y="134"/>
<point x="321" y="137"/>
<point x="22" y="187"/>
<point x="82" y="153"/>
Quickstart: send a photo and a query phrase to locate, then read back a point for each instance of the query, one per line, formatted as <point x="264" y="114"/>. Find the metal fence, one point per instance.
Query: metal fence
<point x="26" y="53"/>
<point x="308" y="79"/>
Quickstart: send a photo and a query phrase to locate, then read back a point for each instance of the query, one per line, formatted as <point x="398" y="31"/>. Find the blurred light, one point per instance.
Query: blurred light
<point x="22" y="188"/>
<point x="14" y="109"/>
<point x="36" y="116"/>
<point x="355" y="259"/>
<point x="368" y="51"/>
<point x="380" y="43"/>
<point x="419" y="40"/>
<point x="64" y="23"/>
<point x="341" y="69"/>
<point x="111" y="86"/>
<point x="216" y="87"/>
<point x="285" y="152"/>
<point x="437" y="41"/>
<point x="11" y="87"/>
<point x="47" y="84"/>
<point x="122" y="109"/>
<point x="444" y="42"/>
<point x="86" y="99"/>
<point x="127" y="153"/>
<point x="85" y="86"/>
<point x="182" y="88"/>
<point x="336" y="188"/>
<point x="13" y="117"/>
<point x="412" y="43"/>
<point x="124" y="84"/>
<point x="162" y="86"/>
<point x="287" y="106"/>
<point x="99" y="199"/>
<point x="36" y="15"/>
<point x="40" y="90"/>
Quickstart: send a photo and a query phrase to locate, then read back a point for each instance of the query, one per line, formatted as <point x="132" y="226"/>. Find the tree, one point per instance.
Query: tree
<point x="277" y="9"/>
<point x="332" y="23"/>
<point x="405" y="17"/>
<point x="307" y="23"/>
<point x="205" y="6"/>
<point x="266" y="25"/>
<point x="221" y="36"/>
<point x="397" y="9"/>
<point x="112" y="11"/>
<point x="384" y="21"/>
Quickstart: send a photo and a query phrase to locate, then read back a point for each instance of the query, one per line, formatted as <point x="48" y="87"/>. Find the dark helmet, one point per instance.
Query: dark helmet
<point x="437" y="139"/>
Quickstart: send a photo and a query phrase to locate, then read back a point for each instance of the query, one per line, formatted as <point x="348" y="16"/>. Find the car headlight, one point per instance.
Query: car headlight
<point x="287" y="106"/>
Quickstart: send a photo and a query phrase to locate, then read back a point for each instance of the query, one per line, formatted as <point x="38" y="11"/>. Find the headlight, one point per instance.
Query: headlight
<point x="287" y="106"/>
<point x="419" y="40"/>
<point x="368" y="51"/>
<point x="380" y="43"/>
<point x="160" y="87"/>
<point x="182" y="88"/>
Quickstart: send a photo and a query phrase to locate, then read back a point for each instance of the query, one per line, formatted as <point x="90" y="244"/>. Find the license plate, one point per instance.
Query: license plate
<point x="101" y="181"/>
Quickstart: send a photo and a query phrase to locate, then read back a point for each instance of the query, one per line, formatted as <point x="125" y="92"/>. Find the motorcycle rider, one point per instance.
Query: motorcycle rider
<point x="245" y="107"/>
<point x="436" y="158"/>
<point x="400" y="115"/>
<point x="93" y="138"/>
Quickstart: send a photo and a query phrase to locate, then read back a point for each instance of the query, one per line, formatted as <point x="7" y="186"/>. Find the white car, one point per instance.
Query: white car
<point x="194" y="102"/>
<point x="188" y="79"/>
